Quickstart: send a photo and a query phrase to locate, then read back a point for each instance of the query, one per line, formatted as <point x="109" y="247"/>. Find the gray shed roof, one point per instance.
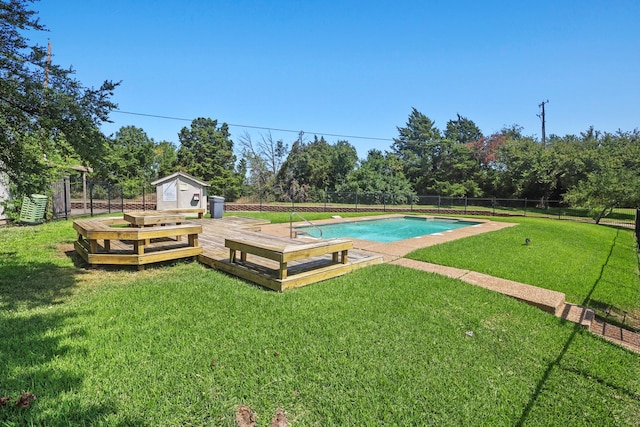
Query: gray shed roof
<point x="180" y="174"/>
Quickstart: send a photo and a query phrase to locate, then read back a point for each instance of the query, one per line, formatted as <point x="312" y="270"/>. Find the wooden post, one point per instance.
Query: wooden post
<point x="638" y="228"/>
<point x="138" y="247"/>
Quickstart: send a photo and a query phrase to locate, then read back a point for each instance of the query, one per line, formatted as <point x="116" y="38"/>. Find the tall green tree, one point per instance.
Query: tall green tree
<point x="47" y="118"/>
<point x="165" y="158"/>
<point x="316" y="166"/>
<point x="344" y="159"/>
<point x="573" y="158"/>
<point x="462" y="130"/>
<point x="206" y="152"/>
<point x="450" y="170"/>
<point x="415" y="144"/>
<point x="532" y="170"/>
<point x="612" y="176"/>
<point x="434" y="164"/>
<point x="522" y="164"/>
<point x="379" y="176"/>
<point x="129" y="160"/>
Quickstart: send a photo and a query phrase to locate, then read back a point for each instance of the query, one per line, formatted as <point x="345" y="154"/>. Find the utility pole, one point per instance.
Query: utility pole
<point x="46" y="68"/>
<point x="544" y="136"/>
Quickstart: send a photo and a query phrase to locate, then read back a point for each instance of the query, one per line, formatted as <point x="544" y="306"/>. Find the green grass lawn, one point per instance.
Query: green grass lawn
<point x="596" y="266"/>
<point x="184" y="345"/>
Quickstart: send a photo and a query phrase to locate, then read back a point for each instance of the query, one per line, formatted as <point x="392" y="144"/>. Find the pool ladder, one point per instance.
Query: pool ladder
<point x="294" y="234"/>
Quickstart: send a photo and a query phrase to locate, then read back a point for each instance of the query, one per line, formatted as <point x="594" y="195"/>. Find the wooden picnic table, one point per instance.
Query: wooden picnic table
<point x="153" y="218"/>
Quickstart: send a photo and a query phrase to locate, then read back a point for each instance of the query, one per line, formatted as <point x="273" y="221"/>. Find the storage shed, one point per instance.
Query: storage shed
<point x="181" y="191"/>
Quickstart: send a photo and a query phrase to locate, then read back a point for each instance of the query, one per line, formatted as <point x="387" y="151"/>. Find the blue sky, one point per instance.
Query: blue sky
<point x="355" y="67"/>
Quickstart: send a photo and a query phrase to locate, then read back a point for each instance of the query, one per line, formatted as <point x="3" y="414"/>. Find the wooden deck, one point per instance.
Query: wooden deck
<point x="277" y="262"/>
<point x="113" y="241"/>
<point x="266" y="272"/>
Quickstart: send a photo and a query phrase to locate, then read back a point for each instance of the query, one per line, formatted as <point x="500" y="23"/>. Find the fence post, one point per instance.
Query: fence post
<point x="66" y="206"/>
<point x="144" y="199"/>
<point x="121" y="198"/>
<point x="525" y="206"/>
<point x="638" y="228"/>
<point x="91" y="197"/>
<point x="384" y="203"/>
<point x="493" y="202"/>
<point x="356" y="201"/>
<point x="439" y="203"/>
<point x="109" y="197"/>
<point x="325" y="199"/>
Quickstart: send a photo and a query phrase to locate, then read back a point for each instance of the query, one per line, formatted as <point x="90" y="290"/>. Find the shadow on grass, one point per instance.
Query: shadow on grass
<point x="34" y="337"/>
<point x="616" y="316"/>
<point x="28" y="284"/>
<point x="556" y="363"/>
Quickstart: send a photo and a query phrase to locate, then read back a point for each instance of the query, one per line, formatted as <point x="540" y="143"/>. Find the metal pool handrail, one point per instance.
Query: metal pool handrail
<point x="305" y="220"/>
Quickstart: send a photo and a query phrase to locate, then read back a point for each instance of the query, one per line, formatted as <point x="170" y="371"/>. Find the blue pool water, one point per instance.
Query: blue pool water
<point x="386" y="230"/>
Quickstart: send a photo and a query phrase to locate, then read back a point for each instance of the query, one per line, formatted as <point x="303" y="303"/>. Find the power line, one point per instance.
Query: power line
<point x="258" y="127"/>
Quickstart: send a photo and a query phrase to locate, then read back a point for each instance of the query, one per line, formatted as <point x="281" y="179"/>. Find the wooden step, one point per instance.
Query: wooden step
<point x="301" y="274"/>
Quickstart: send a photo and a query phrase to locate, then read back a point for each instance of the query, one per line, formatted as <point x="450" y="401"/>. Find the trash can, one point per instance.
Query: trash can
<point x="216" y="206"/>
<point x="33" y="208"/>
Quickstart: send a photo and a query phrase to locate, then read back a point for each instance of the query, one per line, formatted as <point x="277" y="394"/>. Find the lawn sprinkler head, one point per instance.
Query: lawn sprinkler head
<point x="527" y="241"/>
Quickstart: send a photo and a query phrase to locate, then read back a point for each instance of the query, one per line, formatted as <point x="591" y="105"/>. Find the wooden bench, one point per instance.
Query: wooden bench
<point x="153" y="218"/>
<point x="286" y="252"/>
<point x="199" y="211"/>
<point x="90" y="232"/>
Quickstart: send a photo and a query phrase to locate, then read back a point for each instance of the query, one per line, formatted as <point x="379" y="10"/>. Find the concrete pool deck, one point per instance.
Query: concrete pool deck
<point x="394" y="250"/>
<point x="547" y="300"/>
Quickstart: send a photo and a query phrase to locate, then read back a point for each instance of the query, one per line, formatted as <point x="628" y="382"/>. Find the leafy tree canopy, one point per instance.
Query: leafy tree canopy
<point x="317" y="165"/>
<point x="378" y="174"/>
<point x="612" y="173"/>
<point x="449" y="170"/>
<point x="165" y="158"/>
<point x="414" y="138"/>
<point x="206" y="152"/>
<point x="47" y="118"/>
<point x="129" y="159"/>
<point x="415" y="143"/>
<point x="462" y="130"/>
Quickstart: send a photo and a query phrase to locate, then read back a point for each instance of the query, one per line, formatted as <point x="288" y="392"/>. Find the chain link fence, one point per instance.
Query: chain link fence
<point x="432" y="204"/>
<point x="74" y="197"/>
<point x="97" y="197"/>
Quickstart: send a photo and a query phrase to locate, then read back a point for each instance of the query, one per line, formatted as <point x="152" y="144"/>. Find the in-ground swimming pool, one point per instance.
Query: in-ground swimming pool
<point x="387" y="229"/>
